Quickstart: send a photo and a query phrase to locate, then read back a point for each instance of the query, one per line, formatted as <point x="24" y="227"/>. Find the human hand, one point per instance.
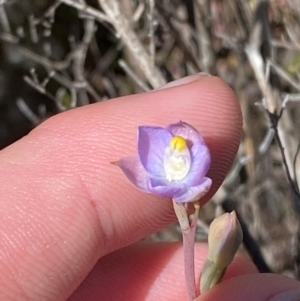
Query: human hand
<point x="66" y="212"/>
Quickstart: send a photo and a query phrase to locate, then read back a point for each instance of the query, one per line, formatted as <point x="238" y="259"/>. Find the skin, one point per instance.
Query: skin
<point x="70" y="220"/>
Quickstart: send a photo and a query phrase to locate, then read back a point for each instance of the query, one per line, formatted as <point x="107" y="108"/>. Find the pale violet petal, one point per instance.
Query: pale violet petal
<point x="201" y="161"/>
<point x="185" y="131"/>
<point x="194" y="193"/>
<point x="135" y="172"/>
<point x="152" y="143"/>
<point x="164" y="188"/>
<point x="200" y="153"/>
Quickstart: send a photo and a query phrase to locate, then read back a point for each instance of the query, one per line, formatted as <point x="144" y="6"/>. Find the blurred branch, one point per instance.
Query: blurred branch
<point x="133" y="76"/>
<point x="181" y="40"/>
<point x="123" y="27"/>
<point x="284" y="130"/>
<point x="28" y="113"/>
<point x="295" y="162"/>
<point x="48" y="64"/>
<point x="152" y="24"/>
<point x="203" y="36"/>
<point x="292" y="35"/>
<point x="80" y="53"/>
<point x="3" y="18"/>
<point x="138" y="12"/>
<point x="282" y="74"/>
<point x="34" y="82"/>
<point x="83" y="7"/>
<point x="124" y="30"/>
<point x="33" y="31"/>
<point x="274" y="119"/>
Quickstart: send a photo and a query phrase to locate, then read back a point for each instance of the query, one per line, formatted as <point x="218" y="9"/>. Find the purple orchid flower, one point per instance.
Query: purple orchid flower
<point x="172" y="162"/>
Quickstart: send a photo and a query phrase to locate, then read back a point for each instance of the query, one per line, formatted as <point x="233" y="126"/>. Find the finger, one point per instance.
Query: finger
<point x="259" y="287"/>
<point x="152" y="272"/>
<point x="65" y="205"/>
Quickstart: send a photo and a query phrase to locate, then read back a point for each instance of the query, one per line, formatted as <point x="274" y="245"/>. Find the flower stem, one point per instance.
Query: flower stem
<point x="188" y="229"/>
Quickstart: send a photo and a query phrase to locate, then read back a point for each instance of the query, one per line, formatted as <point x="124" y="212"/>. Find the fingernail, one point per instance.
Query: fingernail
<point x="204" y="74"/>
<point x="184" y="80"/>
<point x="293" y="295"/>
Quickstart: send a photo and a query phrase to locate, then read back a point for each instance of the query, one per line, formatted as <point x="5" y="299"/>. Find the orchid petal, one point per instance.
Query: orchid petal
<point x="152" y="143"/>
<point x="201" y="161"/>
<point x="134" y="172"/>
<point x="187" y="132"/>
<point x="165" y="189"/>
<point x="194" y="193"/>
<point x="200" y="154"/>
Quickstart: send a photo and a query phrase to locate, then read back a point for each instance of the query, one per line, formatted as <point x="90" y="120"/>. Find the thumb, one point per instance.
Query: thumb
<point x="63" y="206"/>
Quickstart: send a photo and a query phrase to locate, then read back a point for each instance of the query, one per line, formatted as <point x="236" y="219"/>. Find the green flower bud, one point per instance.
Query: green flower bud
<point x="224" y="238"/>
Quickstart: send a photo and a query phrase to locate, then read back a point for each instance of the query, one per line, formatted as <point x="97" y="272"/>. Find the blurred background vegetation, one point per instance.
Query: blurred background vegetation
<point x="57" y="55"/>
